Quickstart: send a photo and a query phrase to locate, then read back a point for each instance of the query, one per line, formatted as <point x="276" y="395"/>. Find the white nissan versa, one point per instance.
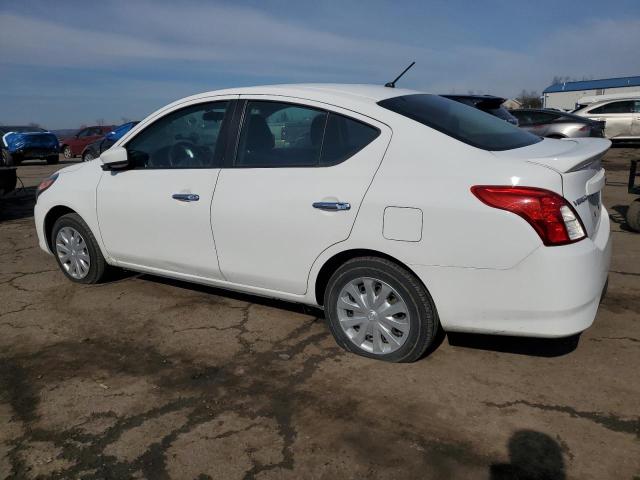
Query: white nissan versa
<point x="396" y="211"/>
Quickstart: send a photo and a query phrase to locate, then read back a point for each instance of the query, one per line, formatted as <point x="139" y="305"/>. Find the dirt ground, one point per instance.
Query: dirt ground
<point x="150" y="378"/>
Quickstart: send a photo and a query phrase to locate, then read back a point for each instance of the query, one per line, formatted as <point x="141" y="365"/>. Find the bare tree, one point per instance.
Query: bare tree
<point x="529" y="99"/>
<point x="34" y="125"/>
<point x="100" y="122"/>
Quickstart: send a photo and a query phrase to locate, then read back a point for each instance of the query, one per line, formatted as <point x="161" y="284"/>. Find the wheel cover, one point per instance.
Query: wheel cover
<point x="88" y="157"/>
<point x="73" y="253"/>
<point x="67" y="152"/>
<point x="373" y="315"/>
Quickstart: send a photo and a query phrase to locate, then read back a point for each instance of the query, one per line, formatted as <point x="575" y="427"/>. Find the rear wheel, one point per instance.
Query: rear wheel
<point x="52" y="159"/>
<point x="378" y="309"/>
<point x="66" y="151"/>
<point x="633" y="215"/>
<point x="76" y="250"/>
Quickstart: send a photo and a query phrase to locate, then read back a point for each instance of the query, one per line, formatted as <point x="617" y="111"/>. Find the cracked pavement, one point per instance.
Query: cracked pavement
<point x="144" y="377"/>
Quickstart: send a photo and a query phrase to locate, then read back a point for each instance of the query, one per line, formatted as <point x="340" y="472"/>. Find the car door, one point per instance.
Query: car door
<point x="155" y="215"/>
<point x="78" y="142"/>
<point x="618" y="117"/>
<point x="635" y="124"/>
<point x="292" y="189"/>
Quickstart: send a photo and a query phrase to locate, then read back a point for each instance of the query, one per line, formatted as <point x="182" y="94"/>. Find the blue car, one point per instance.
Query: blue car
<point x="93" y="150"/>
<point x="23" y="143"/>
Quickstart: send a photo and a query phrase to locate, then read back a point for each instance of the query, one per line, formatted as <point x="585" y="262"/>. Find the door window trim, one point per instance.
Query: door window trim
<point x="231" y="154"/>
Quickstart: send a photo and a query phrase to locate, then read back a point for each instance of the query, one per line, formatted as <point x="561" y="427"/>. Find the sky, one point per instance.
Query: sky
<point x="63" y="64"/>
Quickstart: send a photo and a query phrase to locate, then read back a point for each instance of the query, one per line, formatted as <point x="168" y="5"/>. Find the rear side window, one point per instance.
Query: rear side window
<point x="466" y="124"/>
<point x="278" y="134"/>
<point x="614" y="107"/>
<point x="343" y="138"/>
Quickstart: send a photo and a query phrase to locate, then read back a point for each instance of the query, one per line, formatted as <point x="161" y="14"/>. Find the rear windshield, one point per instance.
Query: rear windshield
<point x="460" y="121"/>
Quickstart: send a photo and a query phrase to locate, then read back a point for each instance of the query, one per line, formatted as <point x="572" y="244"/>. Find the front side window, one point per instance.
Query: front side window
<point x="615" y="107"/>
<point x="186" y="138"/>
<point x="84" y="133"/>
<point x="287" y="135"/>
<point x="466" y="124"/>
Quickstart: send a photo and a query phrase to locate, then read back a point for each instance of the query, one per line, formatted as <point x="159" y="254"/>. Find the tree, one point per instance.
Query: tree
<point x="100" y="121"/>
<point x="34" y="125"/>
<point x="529" y="99"/>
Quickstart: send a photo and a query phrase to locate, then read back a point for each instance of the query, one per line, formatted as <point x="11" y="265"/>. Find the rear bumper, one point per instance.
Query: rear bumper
<point x="554" y="292"/>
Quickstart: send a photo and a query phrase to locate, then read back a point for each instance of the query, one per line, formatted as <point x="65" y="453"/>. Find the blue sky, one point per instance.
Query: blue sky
<point x="63" y="64"/>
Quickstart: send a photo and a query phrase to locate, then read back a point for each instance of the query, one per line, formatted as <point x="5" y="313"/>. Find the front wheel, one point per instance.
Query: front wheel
<point x="87" y="157"/>
<point x="66" y="151"/>
<point x="76" y="250"/>
<point x="378" y="309"/>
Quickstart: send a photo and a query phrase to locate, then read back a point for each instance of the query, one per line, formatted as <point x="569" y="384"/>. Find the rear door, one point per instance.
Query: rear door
<point x="617" y="115"/>
<point x="292" y="189"/>
<point x="635" y="125"/>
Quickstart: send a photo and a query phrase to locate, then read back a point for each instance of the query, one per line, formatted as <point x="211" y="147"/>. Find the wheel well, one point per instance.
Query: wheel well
<point x="50" y="219"/>
<point x="334" y="263"/>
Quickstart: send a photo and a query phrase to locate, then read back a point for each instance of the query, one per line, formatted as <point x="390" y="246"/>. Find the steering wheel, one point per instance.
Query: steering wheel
<point x="184" y="154"/>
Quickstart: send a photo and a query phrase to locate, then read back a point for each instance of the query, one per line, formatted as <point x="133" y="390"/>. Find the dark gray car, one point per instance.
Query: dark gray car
<point x="556" y="124"/>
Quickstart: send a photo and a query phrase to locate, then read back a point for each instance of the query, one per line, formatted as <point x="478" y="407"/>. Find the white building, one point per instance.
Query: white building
<point x="565" y="95"/>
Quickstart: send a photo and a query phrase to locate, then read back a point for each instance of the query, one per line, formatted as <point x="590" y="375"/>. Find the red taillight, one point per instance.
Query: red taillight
<point x="548" y="213"/>
<point x="584" y="128"/>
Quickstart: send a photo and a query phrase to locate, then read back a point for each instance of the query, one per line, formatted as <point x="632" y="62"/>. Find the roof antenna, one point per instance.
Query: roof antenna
<point x="393" y="84"/>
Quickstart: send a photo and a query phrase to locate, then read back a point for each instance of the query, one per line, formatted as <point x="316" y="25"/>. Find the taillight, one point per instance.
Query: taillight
<point x="550" y="215"/>
<point x="46" y="183"/>
<point x="584" y="128"/>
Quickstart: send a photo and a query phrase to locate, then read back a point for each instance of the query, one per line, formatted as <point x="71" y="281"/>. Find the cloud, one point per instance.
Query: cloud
<point x="143" y="54"/>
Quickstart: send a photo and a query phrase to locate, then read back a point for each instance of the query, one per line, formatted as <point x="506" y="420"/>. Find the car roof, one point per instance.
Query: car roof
<point x="321" y="92"/>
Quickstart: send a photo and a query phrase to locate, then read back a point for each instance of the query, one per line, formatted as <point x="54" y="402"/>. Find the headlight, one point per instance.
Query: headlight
<point x="46" y="183"/>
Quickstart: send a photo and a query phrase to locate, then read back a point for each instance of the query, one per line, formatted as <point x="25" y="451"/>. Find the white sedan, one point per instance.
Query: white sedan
<point x="396" y="211"/>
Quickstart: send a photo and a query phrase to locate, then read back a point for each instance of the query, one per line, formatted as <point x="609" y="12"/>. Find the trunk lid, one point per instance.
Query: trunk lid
<point x="579" y="163"/>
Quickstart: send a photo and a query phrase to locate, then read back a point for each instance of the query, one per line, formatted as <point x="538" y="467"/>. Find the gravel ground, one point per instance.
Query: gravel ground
<point x="144" y="377"/>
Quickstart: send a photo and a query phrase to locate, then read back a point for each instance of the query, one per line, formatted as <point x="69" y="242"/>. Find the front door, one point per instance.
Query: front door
<point x="156" y="214"/>
<point x="292" y="190"/>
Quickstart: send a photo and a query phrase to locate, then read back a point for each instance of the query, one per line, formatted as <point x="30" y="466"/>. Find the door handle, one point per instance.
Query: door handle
<point x="332" y="206"/>
<point x="186" y="197"/>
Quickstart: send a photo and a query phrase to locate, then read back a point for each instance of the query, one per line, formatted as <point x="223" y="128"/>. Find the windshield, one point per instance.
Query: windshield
<point x="462" y="122"/>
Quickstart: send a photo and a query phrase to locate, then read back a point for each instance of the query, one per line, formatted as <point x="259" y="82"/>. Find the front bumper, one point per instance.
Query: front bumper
<point x="554" y="292"/>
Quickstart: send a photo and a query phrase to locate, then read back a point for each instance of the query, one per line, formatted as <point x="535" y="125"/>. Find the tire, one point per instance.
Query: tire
<point x="66" y="151"/>
<point x="52" y="159"/>
<point x="87" y="157"/>
<point x="97" y="265"/>
<point x="407" y="293"/>
<point x="633" y="215"/>
<point x="7" y="158"/>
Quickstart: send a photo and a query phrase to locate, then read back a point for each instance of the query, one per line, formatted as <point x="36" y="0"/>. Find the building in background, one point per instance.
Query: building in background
<point x="565" y="95"/>
<point x="512" y="104"/>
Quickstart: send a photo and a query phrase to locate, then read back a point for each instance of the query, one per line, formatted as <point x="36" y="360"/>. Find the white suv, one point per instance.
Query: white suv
<point x="396" y="211"/>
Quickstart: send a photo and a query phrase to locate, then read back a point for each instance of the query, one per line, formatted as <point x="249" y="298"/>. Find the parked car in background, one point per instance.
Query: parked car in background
<point x="93" y="150"/>
<point x="74" y="145"/>
<point x="396" y="211"/>
<point x="23" y="143"/>
<point x="621" y="117"/>
<point x="487" y="103"/>
<point x="557" y="124"/>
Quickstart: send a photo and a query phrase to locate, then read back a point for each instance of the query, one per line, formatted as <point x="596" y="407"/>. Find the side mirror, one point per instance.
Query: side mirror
<point x="114" y="158"/>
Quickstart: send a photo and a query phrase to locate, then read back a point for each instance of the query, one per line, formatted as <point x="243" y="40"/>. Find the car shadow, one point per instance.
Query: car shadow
<point x="243" y="297"/>
<point x="536" y="347"/>
<point x="532" y="456"/>
<point x="18" y="204"/>
<point x="618" y="214"/>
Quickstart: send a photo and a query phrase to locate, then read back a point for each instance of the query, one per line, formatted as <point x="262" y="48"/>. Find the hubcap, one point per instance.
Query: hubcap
<point x="72" y="252"/>
<point x="67" y="152"/>
<point x="88" y="157"/>
<point x="373" y="315"/>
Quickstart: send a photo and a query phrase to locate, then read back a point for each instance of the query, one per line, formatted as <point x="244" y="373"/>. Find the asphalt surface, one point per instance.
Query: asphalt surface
<point x="143" y="377"/>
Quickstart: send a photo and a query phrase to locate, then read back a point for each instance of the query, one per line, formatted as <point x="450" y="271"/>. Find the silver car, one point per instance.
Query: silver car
<point x="622" y="117"/>
<point x="557" y="124"/>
